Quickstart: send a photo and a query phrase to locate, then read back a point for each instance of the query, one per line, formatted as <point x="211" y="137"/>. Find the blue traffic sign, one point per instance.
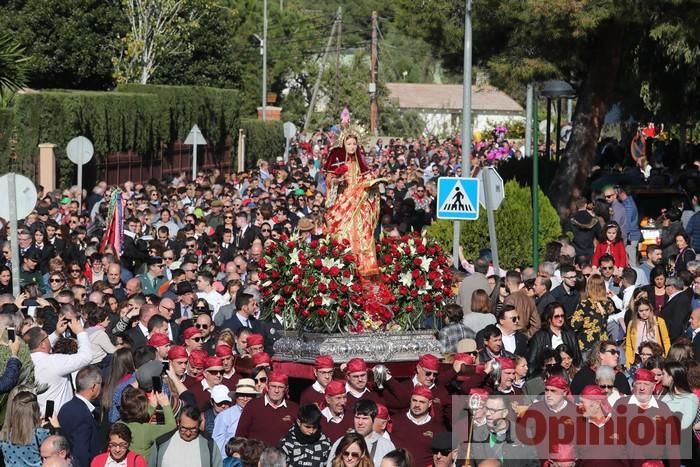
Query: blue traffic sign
<point x="458" y="198"/>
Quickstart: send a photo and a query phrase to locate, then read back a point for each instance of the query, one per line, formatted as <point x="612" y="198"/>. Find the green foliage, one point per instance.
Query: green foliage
<point x="264" y="140"/>
<point x="70" y="43"/>
<point x="513" y="228"/>
<point x="137" y="118"/>
<point x="13" y="68"/>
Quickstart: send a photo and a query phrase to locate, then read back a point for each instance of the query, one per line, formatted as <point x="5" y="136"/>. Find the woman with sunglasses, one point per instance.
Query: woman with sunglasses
<point x="352" y="452"/>
<point x="645" y="326"/>
<point x="75" y="275"/>
<point x="605" y="379"/>
<point x="603" y="353"/>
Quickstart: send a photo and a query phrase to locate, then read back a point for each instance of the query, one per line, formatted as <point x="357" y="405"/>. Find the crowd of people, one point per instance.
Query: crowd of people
<point x="153" y="352"/>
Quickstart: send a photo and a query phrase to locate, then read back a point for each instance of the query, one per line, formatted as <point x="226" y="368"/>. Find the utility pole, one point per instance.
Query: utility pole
<point x="264" y="71"/>
<point x="373" y="111"/>
<point x="337" y="58"/>
<point x="466" y="116"/>
<point x="317" y="85"/>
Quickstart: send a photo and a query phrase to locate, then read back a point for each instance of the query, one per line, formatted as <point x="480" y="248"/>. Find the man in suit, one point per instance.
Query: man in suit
<point x="247" y="305"/>
<point x="509" y="322"/>
<point x="693" y="332"/>
<point x="185" y="300"/>
<point x="59" y="244"/>
<point x="245" y="234"/>
<point x="474" y="282"/>
<point x="676" y="311"/>
<point x="139" y="333"/>
<point x="135" y="250"/>
<point x="78" y="417"/>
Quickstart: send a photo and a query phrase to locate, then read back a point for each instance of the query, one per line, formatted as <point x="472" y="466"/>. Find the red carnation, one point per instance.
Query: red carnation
<point x="322" y="312"/>
<point x="356" y="287"/>
<point x="324" y="270"/>
<point x="291" y="244"/>
<point x="318" y="301"/>
<point x="341" y="313"/>
<point x="262" y="262"/>
<point x="317" y="262"/>
<point x="387" y="259"/>
<point x="417" y="261"/>
<point x="335" y="270"/>
<point x="281" y="259"/>
<point x="322" y="287"/>
<point x="305" y="313"/>
<point x="323" y="250"/>
<point x="415" y="273"/>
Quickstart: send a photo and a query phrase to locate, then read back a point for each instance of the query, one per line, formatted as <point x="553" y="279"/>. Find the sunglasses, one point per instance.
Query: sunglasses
<point x="215" y="372"/>
<point x="354" y="455"/>
<point x="262" y="379"/>
<point x="558" y="316"/>
<point x="196" y="339"/>
<point x="607" y="268"/>
<point x="56" y="280"/>
<point x="168" y="258"/>
<point x="612" y="351"/>
<point x="201" y="326"/>
<point x="428" y="373"/>
<point x="201" y="309"/>
<point x="75" y="270"/>
<point x="263" y="230"/>
<point x="442" y="452"/>
<point x="606" y="386"/>
<point x="228" y="217"/>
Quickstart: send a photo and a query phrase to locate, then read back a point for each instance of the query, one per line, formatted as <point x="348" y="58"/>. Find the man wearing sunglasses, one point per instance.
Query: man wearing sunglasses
<point x="397" y="396"/>
<point x="213" y="375"/>
<point x="509" y="323"/>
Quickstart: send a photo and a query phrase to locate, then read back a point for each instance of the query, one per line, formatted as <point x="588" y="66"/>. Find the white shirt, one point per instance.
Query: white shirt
<point x="318" y="388"/>
<point x="508" y="341"/>
<point x="90" y="407"/>
<point x="556" y="340"/>
<point x="356" y="394"/>
<point x="331" y="417"/>
<point x="55" y="371"/>
<point x="413" y="419"/>
<point x="214" y="298"/>
<point x="179" y="450"/>
<point x="275" y="406"/>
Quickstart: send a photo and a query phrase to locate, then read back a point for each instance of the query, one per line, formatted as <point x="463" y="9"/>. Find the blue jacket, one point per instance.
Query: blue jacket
<point x="10" y="377"/>
<point x="693" y="231"/>
<point x="81" y="430"/>
<point x="632" y="215"/>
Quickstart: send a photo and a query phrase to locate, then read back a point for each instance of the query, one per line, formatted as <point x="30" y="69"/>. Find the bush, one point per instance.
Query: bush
<point x="513" y="228"/>
<point x="264" y="140"/>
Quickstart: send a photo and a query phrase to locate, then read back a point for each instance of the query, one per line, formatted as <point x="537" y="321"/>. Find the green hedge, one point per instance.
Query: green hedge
<point x="264" y="140"/>
<point x="135" y="117"/>
<point x="513" y="228"/>
<point x="6" y="117"/>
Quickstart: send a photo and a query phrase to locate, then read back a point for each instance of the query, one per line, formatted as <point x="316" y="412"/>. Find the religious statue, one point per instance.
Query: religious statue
<point x="352" y="200"/>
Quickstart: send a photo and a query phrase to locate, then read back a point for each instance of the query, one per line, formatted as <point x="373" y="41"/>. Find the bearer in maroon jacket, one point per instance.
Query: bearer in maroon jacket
<point x="268" y="418"/>
<point x="414" y="429"/>
<point x="230" y="377"/>
<point x="213" y="374"/>
<point x="356" y="386"/>
<point x="335" y="423"/>
<point x="398" y="395"/>
<point x="316" y="393"/>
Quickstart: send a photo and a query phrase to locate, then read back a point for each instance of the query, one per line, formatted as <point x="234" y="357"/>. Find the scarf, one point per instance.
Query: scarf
<point x="306" y="439"/>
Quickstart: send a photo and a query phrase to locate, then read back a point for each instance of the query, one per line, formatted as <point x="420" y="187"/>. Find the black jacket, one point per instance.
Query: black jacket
<point x="542" y="341"/>
<point x="585" y="228"/>
<point x="676" y="313"/>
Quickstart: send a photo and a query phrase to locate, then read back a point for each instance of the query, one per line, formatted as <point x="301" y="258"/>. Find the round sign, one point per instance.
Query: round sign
<point x="80" y="150"/>
<point x="290" y="130"/>
<point x="565" y="133"/>
<point x="25" y="196"/>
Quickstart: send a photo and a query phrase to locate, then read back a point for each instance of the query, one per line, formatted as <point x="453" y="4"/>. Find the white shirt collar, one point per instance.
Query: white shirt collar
<point x="416" y="383"/>
<point x="318" y="388"/>
<point x="144" y="329"/>
<point x="413" y="419"/>
<point x="634" y="401"/>
<point x="281" y="404"/>
<point x="330" y="417"/>
<point x="354" y="393"/>
<point x="90" y="407"/>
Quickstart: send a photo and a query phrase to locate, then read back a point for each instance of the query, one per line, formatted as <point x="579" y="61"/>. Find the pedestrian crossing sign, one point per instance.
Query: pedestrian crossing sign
<point x="458" y="199"/>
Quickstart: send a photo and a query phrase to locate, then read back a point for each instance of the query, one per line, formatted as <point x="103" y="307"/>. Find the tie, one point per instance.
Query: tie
<point x="689" y="333"/>
<point x="96" y="415"/>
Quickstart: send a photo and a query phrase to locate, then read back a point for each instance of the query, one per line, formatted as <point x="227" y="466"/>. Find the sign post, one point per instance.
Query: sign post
<point x="22" y="198"/>
<point x="290" y="130"/>
<point x="194" y="139"/>
<point x="493" y="197"/>
<point x="458" y="198"/>
<point x="80" y="152"/>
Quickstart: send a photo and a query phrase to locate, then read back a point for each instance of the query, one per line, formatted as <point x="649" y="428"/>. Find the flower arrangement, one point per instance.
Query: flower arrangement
<point x="416" y="270"/>
<point x="314" y="286"/>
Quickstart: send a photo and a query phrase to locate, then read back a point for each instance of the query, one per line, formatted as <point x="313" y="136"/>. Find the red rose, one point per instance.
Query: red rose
<point x="336" y="252"/>
<point x="281" y="259"/>
<point x="356" y="315"/>
<point x="296" y="280"/>
<point x="262" y="262"/>
<point x="341" y="170"/>
<point x="346" y="242"/>
<point x="428" y="307"/>
<point x="417" y="261"/>
<point x="341" y="313"/>
<point x="415" y="273"/>
<point x="275" y="275"/>
<point x="356" y="287"/>
<point x="333" y="296"/>
<point x="348" y="258"/>
<point x="318" y="301"/>
<point x="344" y="288"/>
<point x="313" y="244"/>
<point x="322" y="287"/>
<point x="284" y="237"/>
<point x="438" y="298"/>
<point x="426" y="298"/>
<point x="322" y="312"/>
<point x="420" y="282"/>
<point x="323" y="250"/>
<point x="291" y="244"/>
<point x="433" y="276"/>
<point x="409" y="308"/>
<point x="344" y="303"/>
<point x="407" y="250"/>
<point x="333" y="285"/>
<point x="414" y="293"/>
<point x="317" y="262"/>
<point x="305" y="313"/>
<point x="403" y="290"/>
<point x="335" y="270"/>
<point x="324" y="270"/>
<point x="387" y="259"/>
<point x="262" y="275"/>
<point x="346" y="274"/>
<point x="420" y="249"/>
<point x="281" y="302"/>
<point x="311" y="280"/>
<point x="303" y="262"/>
<point x="437" y="284"/>
<point x="278" y="310"/>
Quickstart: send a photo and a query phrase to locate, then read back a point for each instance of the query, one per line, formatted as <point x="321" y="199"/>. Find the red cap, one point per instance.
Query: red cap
<point x="481" y="393"/>
<point x="356" y="365"/>
<point x="506" y="363"/>
<point x="557" y="382"/>
<point x="189" y="333"/>
<point x="255" y="339"/>
<point x="465" y="358"/>
<point x="276" y="377"/>
<point x="563" y="453"/>
<point x="261" y="358"/>
<point x="429" y="362"/>
<point x="211" y="362"/>
<point x="223" y="350"/>
<point x="335" y="388"/>
<point x="158" y="339"/>
<point x="198" y="358"/>
<point x="422" y="391"/>
<point x="596" y="393"/>
<point x="177" y="351"/>
<point x="323" y="361"/>
<point x="644" y="375"/>
<point x="382" y="412"/>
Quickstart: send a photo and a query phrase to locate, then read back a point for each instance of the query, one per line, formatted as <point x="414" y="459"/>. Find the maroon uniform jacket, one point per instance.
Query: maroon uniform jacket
<point x="397" y="397"/>
<point x="416" y="439"/>
<point x="335" y="431"/>
<point x="312" y="396"/>
<point x="261" y="421"/>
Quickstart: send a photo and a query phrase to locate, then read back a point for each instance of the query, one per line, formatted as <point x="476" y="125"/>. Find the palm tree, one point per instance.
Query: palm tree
<point x="13" y="68"/>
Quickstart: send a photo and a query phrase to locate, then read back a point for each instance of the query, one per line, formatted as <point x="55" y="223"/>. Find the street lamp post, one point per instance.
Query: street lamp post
<point x="553" y="89"/>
